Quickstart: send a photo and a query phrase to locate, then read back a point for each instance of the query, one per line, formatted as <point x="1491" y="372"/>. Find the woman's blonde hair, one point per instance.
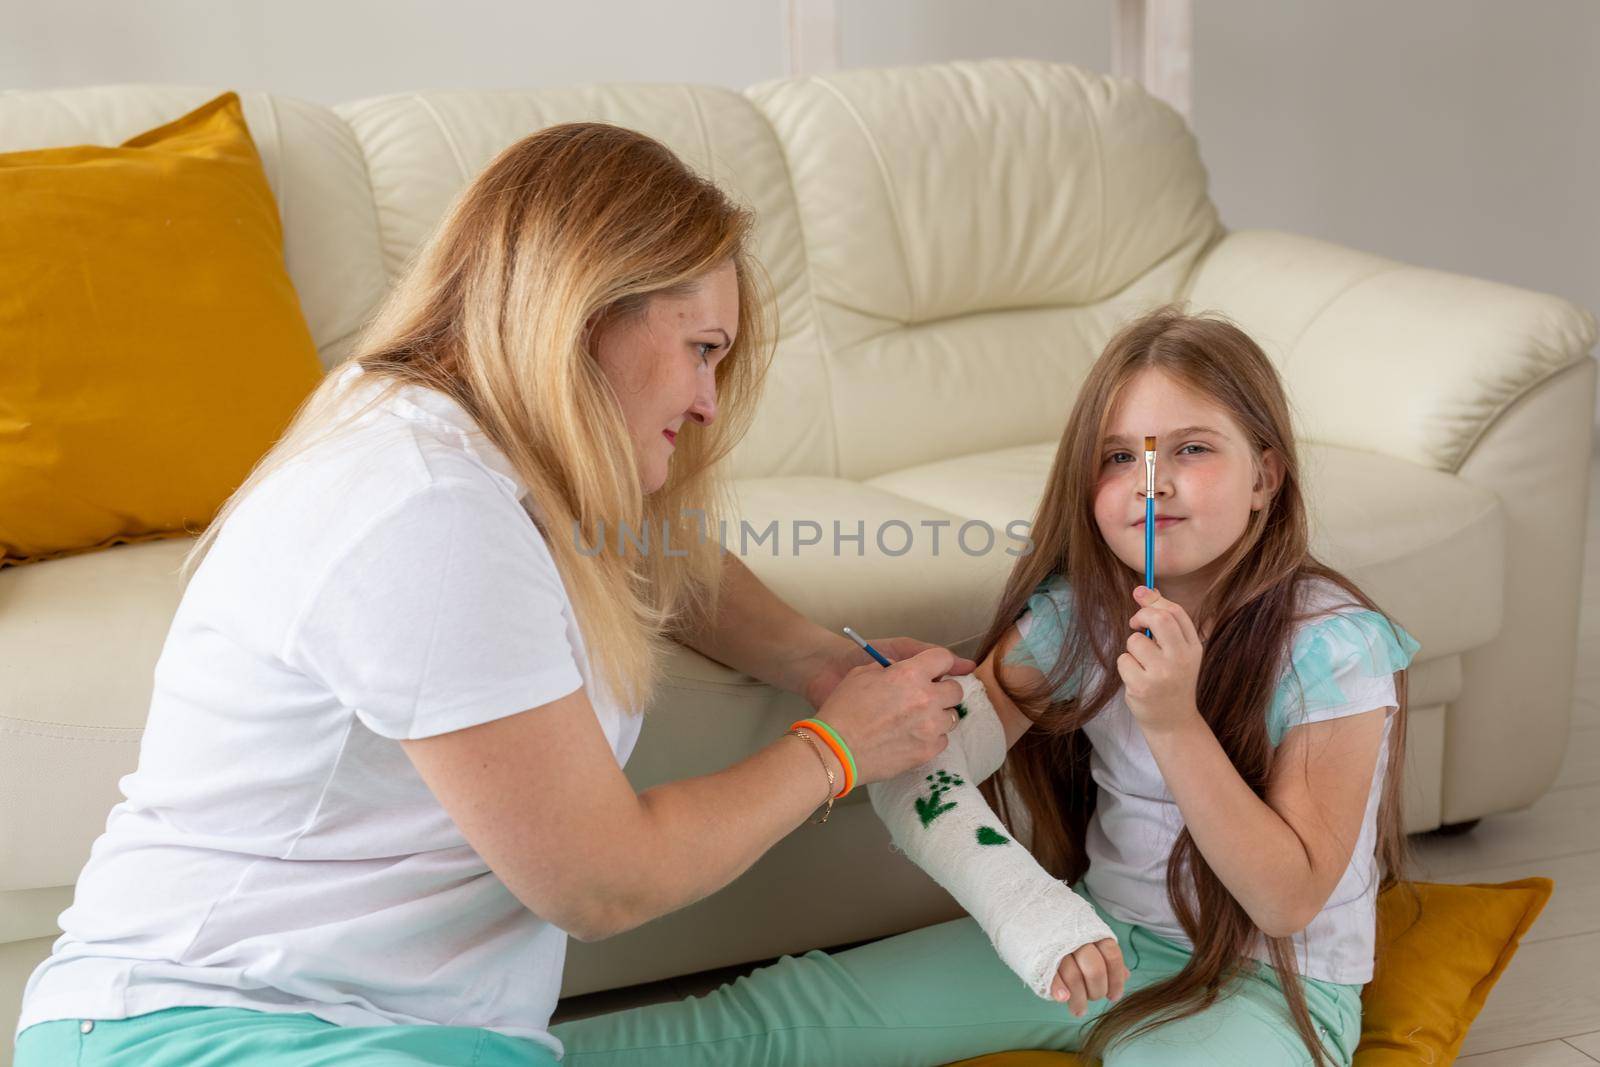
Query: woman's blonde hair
<point x="576" y="226"/>
<point x="1250" y="612"/>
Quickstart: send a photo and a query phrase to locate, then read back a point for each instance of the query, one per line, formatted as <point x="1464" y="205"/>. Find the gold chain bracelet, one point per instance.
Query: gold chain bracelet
<point x="807" y="736"/>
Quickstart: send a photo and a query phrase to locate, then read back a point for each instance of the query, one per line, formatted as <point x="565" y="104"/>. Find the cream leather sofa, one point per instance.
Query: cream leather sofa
<point x="951" y="246"/>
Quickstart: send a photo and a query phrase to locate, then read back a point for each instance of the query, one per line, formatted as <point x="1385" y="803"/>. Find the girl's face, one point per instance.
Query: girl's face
<point x="662" y="362"/>
<point x="1206" y="484"/>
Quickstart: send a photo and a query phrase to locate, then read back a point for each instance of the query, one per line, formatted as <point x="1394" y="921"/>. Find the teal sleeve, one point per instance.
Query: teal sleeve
<point x="1044" y="631"/>
<point x="1340" y="665"/>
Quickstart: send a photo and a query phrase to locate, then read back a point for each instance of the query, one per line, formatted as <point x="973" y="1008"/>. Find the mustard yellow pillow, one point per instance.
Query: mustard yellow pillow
<point x="1438" y="957"/>
<point x="152" y="346"/>
<point x="1439" y="954"/>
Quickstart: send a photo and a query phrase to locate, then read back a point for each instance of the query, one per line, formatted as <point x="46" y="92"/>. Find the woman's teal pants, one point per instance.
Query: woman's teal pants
<point x="923" y="998"/>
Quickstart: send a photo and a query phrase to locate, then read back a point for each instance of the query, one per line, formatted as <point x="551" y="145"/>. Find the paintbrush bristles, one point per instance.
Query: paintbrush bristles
<point x="1149" y="444"/>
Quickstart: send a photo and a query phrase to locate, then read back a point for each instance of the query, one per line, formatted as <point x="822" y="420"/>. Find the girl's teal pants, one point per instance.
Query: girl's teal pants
<point x="927" y="997"/>
<point x="940" y="994"/>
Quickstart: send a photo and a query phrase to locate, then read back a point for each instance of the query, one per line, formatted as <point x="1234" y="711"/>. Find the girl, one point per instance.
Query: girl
<point x="381" y="778"/>
<point x="1223" y="795"/>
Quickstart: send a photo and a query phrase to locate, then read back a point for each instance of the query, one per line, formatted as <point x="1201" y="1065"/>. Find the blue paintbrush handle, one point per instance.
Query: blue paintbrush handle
<point x="868" y="649"/>
<point x="874" y="653"/>
<point x="1149" y="545"/>
<point x="961" y="709"/>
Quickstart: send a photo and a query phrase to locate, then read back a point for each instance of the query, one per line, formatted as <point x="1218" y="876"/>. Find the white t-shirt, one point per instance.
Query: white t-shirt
<point x="1345" y="660"/>
<point x="276" y="849"/>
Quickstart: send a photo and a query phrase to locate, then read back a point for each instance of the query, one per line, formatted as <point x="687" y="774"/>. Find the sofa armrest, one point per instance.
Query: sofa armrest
<point x="1487" y="382"/>
<point x="1382" y="356"/>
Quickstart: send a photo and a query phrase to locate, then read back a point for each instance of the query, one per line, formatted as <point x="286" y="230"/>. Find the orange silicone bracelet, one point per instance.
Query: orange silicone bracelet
<point x="826" y="737"/>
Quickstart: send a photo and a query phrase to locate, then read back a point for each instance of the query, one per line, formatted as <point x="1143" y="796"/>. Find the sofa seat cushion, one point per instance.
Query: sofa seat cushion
<point x="82" y="636"/>
<point x="1404" y="532"/>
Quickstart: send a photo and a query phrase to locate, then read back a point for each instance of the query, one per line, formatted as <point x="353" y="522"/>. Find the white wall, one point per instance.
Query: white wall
<point x="1459" y="134"/>
<point x="883" y="33"/>
<point x="335" y="50"/>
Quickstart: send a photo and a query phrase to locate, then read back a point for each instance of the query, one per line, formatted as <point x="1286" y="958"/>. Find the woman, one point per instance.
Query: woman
<point x="381" y="779"/>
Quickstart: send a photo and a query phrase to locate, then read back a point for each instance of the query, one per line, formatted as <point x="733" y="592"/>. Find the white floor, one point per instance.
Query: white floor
<point x="1545" y="1011"/>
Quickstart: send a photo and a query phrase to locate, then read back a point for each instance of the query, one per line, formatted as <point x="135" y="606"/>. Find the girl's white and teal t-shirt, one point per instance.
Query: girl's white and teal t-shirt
<point x="275" y="848"/>
<point x="1343" y="659"/>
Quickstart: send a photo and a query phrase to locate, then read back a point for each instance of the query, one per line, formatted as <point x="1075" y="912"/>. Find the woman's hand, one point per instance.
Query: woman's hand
<point x="1093" y="972"/>
<point x="1162" y="674"/>
<point x="831" y="667"/>
<point x="897" y="717"/>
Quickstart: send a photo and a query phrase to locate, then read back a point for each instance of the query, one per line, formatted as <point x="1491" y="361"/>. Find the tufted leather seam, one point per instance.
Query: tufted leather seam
<point x="824" y="347"/>
<point x="1186" y="287"/>
<point x="1100" y="170"/>
<point x="444" y="132"/>
<point x="88" y="136"/>
<point x="1504" y="410"/>
<point x="341" y="338"/>
<point x="894" y="195"/>
<point x="705" y="133"/>
<point x="906" y="327"/>
<point x="377" y="227"/>
<point x="1345" y="290"/>
<point x="97" y="740"/>
<point x="7" y="720"/>
<point x="277" y="167"/>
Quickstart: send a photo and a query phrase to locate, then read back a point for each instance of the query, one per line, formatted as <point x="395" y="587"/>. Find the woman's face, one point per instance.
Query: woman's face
<point x="1205" y="480"/>
<point x="662" y="365"/>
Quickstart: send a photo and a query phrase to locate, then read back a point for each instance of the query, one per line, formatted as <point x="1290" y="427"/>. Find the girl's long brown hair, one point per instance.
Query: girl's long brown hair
<point x="1250" y="610"/>
<point x="572" y="228"/>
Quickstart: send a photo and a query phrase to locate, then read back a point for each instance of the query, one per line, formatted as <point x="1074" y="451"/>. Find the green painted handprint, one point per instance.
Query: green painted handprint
<point x="928" y="807"/>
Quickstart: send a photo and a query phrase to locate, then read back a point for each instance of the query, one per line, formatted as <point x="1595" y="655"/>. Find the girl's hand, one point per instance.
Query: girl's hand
<point x="1093" y="972"/>
<point x="830" y="669"/>
<point x="1161" y="674"/>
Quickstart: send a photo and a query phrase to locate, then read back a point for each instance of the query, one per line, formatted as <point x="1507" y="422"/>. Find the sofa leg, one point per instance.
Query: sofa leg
<point x="1456" y="829"/>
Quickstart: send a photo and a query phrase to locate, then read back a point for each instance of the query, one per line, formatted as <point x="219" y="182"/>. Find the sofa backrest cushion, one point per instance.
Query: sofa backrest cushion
<point x="422" y="149"/>
<point x="972" y="223"/>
